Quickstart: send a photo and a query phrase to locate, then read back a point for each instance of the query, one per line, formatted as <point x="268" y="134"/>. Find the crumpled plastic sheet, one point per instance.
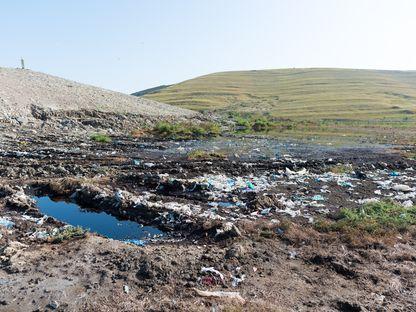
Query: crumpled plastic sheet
<point x="8" y="224"/>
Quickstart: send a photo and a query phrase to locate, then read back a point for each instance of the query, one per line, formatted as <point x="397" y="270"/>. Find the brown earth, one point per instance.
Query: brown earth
<point x="286" y="263"/>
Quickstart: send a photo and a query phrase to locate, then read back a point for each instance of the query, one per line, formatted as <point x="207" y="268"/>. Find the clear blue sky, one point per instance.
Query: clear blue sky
<point x="129" y="45"/>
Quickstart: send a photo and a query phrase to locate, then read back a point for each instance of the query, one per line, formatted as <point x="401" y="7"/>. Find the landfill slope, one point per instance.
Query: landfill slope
<point x="22" y="91"/>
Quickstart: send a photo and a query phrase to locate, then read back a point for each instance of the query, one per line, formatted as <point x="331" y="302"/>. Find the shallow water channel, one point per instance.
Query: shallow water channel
<point x="95" y="221"/>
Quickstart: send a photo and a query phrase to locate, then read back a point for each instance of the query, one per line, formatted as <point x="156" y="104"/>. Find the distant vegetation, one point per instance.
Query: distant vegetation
<point x="185" y="130"/>
<point x="199" y="155"/>
<point x="99" y="137"/>
<point x="340" y="102"/>
<point x="150" y="90"/>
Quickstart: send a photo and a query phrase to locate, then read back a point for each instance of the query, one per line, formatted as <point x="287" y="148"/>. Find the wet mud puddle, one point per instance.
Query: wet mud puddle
<point x="99" y="222"/>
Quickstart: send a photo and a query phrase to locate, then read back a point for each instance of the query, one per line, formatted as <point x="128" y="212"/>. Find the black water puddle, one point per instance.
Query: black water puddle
<point x="96" y="221"/>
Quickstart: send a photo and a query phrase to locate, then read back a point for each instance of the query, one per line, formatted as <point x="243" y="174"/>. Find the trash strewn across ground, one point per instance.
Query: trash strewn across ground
<point x="236" y="231"/>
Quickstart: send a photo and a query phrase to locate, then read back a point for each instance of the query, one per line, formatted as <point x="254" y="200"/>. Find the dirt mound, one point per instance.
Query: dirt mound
<point x="25" y="93"/>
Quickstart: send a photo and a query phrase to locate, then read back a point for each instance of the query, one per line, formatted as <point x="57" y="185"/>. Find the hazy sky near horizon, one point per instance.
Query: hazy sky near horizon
<point x="130" y="45"/>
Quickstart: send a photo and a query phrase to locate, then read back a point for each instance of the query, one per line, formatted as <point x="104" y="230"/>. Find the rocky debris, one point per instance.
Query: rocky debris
<point x="21" y="201"/>
<point x="228" y="230"/>
<point x="28" y="96"/>
<point x="236" y="224"/>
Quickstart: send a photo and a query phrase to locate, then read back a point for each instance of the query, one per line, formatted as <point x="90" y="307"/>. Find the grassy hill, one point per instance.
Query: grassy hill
<point x="371" y="99"/>
<point x="299" y="93"/>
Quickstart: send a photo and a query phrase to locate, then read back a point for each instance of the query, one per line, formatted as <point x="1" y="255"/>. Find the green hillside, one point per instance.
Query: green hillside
<point x="373" y="99"/>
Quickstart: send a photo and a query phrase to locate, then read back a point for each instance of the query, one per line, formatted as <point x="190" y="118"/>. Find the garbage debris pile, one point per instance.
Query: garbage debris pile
<point x="184" y="201"/>
<point x="295" y="193"/>
<point x="210" y="250"/>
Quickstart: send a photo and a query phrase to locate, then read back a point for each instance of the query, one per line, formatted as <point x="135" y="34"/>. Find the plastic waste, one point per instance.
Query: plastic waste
<point x="220" y="294"/>
<point x="213" y="271"/>
<point x="402" y="188"/>
<point x="360" y="175"/>
<point x="368" y="200"/>
<point x="292" y="254"/>
<point x="235" y="281"/>
<point x="345" y="184"/>
<point x="296" y="173"/>
<point x="137" y="242"/>
<point x="250" y="185"/>
<point x="318" y="198"/>
<point x="280" y="231"/>
<point x="6" y="223"/>
<point x="40" y="234"/>
<point x="266" y="211"/>
<point x="137" y="162"/>
<point x="126" y="289"/>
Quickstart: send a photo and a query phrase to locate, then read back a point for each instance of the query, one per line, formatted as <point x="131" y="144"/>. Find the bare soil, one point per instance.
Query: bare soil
<point x="249" y="218"/>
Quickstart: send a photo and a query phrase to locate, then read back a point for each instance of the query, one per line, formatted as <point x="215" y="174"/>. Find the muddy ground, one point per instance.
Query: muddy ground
<point x="241" y="225"/>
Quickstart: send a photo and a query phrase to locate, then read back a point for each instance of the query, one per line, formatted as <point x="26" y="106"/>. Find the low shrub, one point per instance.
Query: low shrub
<point x="373" y="218"/>
<point x="101" y="138"/>
<point x="186" y="130"/>
<point x="68" y="232"/>
<point x="199" y="154"/>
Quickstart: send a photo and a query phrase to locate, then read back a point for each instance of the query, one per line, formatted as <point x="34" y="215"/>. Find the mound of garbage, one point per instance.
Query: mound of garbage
<point x="29" y="97"/>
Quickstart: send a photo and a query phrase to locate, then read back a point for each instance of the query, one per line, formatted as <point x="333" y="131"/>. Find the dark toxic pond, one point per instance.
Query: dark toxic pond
<point x="98" y="222"/>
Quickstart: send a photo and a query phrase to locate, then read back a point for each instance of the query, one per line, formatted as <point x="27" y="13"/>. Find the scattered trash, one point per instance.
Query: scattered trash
<point x="126" y="289"/>
<point x="237" y="280"/>
<point x="345" y="184"/>
<point x="368" y="201"/>
<point x="318" y="198"/>
<point x="228" y="230"/>
<point x="38" y="221"/>
<point x="53" y="305"/>
<point x="220" y="294"/>
<point x="402" y="188"/>
<point x="213" y="271"/>
<point x="394" y="174"/>
<point x="6" y="223"/>
<point x="280" y="231"/>
<point x="137" y="242"/>
<point x="292" y="255"/>
<point x="40" y="235"/>
<point x="360" y="175"/>
<point x="265" y="211"/>
<point x="137" y="162"/>
<point x="250" y="185"/>
<point x="296" y="173"/>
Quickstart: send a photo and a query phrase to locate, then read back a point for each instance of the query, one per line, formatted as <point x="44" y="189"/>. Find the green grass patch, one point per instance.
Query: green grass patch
<point x="67" y="233"/>
<point x="200" y="155"/>
<point x="186" y="130"/>
<point x="101" y="138"/>
<point x="375" y="218"/>
<point x="252" y="122"/>
<point x="341" y="168"/>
